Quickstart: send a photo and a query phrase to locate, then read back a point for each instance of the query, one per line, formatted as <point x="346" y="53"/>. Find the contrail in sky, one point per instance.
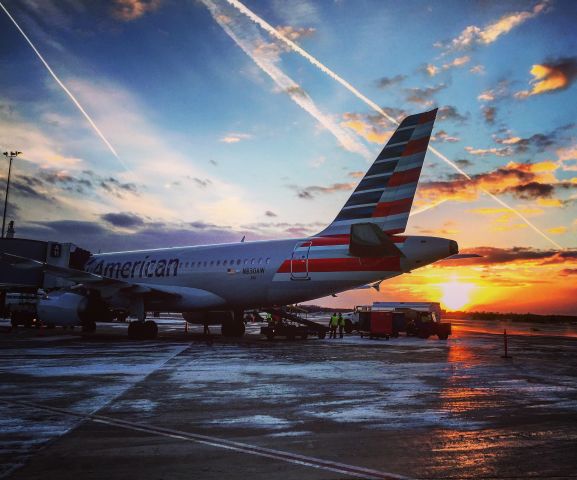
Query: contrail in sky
<point x="296" y="48"/>
<point x="68" y="92"/>
<point x="267" y="61"/>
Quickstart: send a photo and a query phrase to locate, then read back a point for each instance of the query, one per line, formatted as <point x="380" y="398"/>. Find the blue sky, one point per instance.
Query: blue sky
<point x="225" y="131"/>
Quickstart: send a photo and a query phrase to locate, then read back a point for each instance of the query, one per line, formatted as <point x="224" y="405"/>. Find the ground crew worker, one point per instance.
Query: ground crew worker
<point x="341" y="322"/>
<point x="269" y="318"/>
<point x="333" y="324"/>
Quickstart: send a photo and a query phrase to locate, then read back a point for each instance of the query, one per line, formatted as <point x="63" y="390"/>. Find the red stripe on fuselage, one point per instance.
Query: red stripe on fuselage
<point x="354" y="264"/>
<point x="384" y="209"/>
<point x="402" y="178"/>
<point x="333" y="240"/>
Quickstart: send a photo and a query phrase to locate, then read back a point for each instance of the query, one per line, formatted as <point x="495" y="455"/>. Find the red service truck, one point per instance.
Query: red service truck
<point x="388" y="319"/>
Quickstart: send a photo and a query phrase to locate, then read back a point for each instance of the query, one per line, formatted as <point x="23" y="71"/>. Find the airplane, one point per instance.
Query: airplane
<point x="215" y="284"/>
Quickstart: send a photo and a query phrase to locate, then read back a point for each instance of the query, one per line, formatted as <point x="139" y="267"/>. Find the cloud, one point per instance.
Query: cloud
<point x="128" y="10"/>
<point x="463" y="162"/>
<point x="430" y="69"/>
<point x="568" y="271"/>
<point x="268" y="213"/>
<point x="558" y="230"/>
<point x="495" y="255"/>
<point x="448" y="112"/>
<point x="308" y="193"/>
<point x="501" y="90"/>
<point x="551" y="76"/>
<point x="123" y="220"/>
<point x="474" y="36"/>
<point x="489" y="114"/>
<point x="433" y="70"/>
<point x="499" y="152"/>
<point x="295" y="33"/>
<point x="568" y="158"/>
<point x="235" y="137"/>
<point x="201" y="182"/>
<point x="538" y="141"/>
<point x="527" y="181"/>
<point x="423" y="96"/>
<point x="373" y="128"/>
<point x="385" y="82"/>
<point x="442" y="136"/>
<point x="478" y="69"/>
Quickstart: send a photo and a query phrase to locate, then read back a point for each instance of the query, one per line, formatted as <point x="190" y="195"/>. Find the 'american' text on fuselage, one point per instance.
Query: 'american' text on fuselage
<point x="145" y="268"/>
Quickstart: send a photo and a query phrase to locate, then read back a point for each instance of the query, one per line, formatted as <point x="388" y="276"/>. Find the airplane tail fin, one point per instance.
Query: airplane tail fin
<point x="385" y="194"/>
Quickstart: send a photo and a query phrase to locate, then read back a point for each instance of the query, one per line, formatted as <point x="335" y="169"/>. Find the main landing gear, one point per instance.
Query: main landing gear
<point x="141" y="329"/>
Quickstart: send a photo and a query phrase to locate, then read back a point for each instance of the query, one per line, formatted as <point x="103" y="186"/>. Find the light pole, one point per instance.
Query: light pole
<point x="10" y="155"/>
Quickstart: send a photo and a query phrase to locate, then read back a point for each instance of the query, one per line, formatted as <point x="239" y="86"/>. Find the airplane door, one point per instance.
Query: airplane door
<point x="300" y="261"/>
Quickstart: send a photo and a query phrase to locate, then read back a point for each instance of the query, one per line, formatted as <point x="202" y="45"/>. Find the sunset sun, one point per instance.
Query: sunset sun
<point x="456" y="294"/>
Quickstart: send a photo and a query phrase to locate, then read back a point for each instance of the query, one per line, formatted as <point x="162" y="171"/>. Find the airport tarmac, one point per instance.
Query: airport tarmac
<point x="102" y="406"/>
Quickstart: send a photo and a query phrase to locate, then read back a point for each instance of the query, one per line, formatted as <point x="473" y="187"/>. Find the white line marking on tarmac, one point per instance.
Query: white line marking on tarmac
<point x="288" y="457"/>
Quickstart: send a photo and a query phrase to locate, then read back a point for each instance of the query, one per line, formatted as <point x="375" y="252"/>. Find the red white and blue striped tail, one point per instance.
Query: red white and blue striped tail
<point x="385" y="194"/>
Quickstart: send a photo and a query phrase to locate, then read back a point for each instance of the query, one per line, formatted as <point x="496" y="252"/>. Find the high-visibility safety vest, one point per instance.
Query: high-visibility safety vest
<point x="334" y="321"/>
<point x="341" y="321"/>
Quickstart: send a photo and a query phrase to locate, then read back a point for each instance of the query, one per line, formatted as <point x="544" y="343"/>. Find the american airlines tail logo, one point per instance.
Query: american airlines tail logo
<point x="145" y="268"/>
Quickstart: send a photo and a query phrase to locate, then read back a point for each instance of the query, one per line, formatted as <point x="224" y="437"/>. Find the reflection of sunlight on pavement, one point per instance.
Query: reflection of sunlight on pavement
<point x="460" y="353"/>
<point x="470" y="449"/>
<point x="474" y="452"/>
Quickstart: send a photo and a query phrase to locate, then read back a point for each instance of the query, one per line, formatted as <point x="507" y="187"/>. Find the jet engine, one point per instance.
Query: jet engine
<point x="65" y="309"/>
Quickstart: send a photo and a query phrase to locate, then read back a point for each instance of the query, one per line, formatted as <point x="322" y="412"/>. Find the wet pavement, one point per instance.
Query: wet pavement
<point x="183" y="407"/>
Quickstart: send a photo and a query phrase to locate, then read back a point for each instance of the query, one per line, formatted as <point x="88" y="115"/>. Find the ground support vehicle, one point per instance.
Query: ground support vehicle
<point x="420" y="319"/>
<point x="285" y="329"/>
<point x="308" y="326"/>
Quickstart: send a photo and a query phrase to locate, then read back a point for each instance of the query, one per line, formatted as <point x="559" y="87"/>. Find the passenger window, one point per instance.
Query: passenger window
<point x="218" y="262"/>
<point x="246" y="261"/>
<point x="260" y="261"/>
<point x="238" y="262"/>
<point x="224" y="262"/>
<point x="211" y="263"/>
<point x="267" y="261"/>
<point x="252" y="261"/>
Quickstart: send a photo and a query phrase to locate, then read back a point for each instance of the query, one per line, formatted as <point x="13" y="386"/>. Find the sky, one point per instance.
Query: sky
<point x="156" y="123"/>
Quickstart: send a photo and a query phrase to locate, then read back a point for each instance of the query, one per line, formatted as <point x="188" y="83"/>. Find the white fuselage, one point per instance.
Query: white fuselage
<point x="259" y="274"/>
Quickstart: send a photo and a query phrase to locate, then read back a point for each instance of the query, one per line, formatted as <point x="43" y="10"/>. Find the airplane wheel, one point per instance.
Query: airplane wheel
<point x="133" y="329"/>
<point x="150" y="329"/>
<point x="348" y="326"/>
